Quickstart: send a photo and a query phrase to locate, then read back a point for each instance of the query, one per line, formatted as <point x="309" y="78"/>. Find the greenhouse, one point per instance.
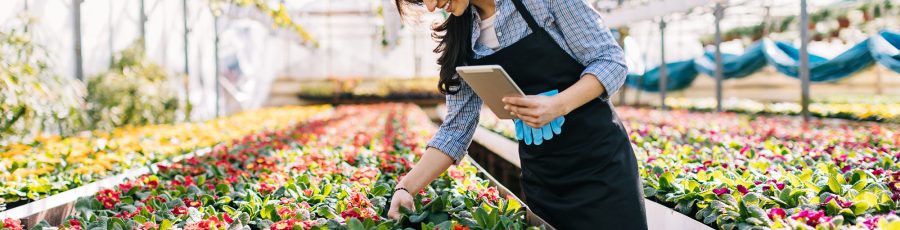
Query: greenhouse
<point x="449" y="114"/>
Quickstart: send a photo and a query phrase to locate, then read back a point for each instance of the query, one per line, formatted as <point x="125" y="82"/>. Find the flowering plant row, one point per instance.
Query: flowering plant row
<point x="863" y="109"/>
<point x="330" y="173"/>
<point x="735" y="171"/>
<point x="51" y="165"/>
<point x="370" y="89"/>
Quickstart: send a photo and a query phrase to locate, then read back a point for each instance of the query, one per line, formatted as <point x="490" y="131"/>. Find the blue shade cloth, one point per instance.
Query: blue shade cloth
<point x="786" y="58"/>
<point x="680" y="76"/>
<point x="885" y="49"/>
<point x="734" y="66"/>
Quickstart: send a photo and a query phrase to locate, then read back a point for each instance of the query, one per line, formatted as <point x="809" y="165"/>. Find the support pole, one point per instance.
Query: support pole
<point x="76" y="27"/>
<point x="187" y="69"/>
<point x="804" y="59"/>
<point x="663" y="75"/>
<point x="216" y="56"/>
<point x="143" y="25"/>
<point x="110" y="36"/>
<point x="719" y="13"/>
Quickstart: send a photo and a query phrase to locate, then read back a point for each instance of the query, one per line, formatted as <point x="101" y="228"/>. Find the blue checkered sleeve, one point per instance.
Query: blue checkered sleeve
<point x="591" y="42"/>
<point x="455" y="134"/>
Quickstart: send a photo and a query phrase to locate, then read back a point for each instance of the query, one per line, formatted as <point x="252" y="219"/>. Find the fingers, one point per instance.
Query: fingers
<point x="394" y="212"/>
<point x="538" y="135"/>
<point x="518" y="111"/>
<point x="520" y="101"/>
<point x="400" y="200"/>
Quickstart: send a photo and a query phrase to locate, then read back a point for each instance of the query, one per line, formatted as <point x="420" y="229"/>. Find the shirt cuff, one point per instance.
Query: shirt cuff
<point x="452" y="148"/>
<point x="610" y="74"/>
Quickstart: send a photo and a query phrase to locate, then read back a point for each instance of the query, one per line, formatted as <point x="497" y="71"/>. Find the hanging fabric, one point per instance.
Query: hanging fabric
<point x="885" y="49"/>
<point x="786" y="59"/>
<point x="680" y="76"/>
<point x="734" y="66"/>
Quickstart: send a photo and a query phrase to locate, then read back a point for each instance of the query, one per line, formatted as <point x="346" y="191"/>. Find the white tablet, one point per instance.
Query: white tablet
<point x="492" y="84"/>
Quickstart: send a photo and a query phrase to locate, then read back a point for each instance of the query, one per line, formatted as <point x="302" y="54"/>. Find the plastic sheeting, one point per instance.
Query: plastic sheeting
<point x="885" y="49"/>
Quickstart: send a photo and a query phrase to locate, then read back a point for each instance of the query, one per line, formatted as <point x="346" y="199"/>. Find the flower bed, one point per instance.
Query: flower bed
<point x="735" y="171"/>
<point x="869" y="108"/>
<point x="52" y="165"/>
<point x="334" y="172"/>
<point x="370" y="90"/>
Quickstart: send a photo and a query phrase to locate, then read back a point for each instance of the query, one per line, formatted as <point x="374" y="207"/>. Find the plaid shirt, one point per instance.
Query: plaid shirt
<point x="573" y="24"/>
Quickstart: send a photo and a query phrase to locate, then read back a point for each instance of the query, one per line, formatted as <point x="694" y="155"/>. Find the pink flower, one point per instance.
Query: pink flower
<point x="878" y="172"/>
<point x="839" y="201"/>
<point x="812" y="218"/>
<point x="286" y="212"/>
<point x="742" y="189"/>
<point x="12" y="224"/>
<point x="720" y="191"/>
<point x="872" y="223"/>
<point x="776" y="213"/>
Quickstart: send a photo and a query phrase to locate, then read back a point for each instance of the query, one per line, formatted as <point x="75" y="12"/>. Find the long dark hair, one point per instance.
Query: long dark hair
<point x="454" y="37"/>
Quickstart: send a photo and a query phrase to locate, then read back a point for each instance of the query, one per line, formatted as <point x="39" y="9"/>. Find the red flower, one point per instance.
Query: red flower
<point x="126" y="186"/>
<point x="74" y="222"/>
<point x="350" y="213"/>
<point x="227" y="218"/>
<point x="192" y="204"/>
<point x="285" y="224"/>
<point x="179" y="211"/>
<point x="459" y="227"/>
<point x="108" y="197"/>
<point x="266" y="189"/>
<point x="776" y="213"/>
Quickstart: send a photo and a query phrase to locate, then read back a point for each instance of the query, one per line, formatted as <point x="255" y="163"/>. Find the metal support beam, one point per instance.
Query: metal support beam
<point x="187" y="69"/>
<point x="143" y="25"/>
<point x="76" y="27"/>
<point x="804" y="59"/>
<point x="649" y="11"/>
<point x="719" y="13"/>
<point x="663" y="75"/>
<point x="217" y="85"/>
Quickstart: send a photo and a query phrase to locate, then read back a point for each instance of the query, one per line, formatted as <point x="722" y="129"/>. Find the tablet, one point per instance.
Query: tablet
<point x="492" y="84"/>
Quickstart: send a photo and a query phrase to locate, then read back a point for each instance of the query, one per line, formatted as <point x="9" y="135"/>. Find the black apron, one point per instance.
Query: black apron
<point x="586" y="177"/>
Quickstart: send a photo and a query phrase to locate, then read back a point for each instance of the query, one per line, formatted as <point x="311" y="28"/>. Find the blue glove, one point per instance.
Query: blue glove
<point x="537" y="136"/>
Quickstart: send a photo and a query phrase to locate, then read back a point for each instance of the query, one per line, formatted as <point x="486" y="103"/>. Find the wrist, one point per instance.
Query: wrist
<point x="563" y="104"/>
<point x="403" y="189"/>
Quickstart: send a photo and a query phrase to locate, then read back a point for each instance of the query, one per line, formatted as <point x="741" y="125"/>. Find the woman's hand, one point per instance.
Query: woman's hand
<point x="401" y="198"/>
<point x="535" y="110"/>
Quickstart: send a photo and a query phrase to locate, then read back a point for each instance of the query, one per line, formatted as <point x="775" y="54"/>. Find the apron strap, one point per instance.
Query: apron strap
<point x="527" y="16"/>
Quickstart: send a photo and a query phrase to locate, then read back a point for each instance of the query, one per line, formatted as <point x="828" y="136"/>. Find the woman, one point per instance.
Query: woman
<point x="584" y="174"/>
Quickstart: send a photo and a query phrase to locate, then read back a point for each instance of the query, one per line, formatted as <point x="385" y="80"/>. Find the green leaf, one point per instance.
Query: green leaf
<point x="418" y="218"/>
<point x="354" y="224"/>
<point x="834" y="185"/>
<point x="379" y="190"/>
